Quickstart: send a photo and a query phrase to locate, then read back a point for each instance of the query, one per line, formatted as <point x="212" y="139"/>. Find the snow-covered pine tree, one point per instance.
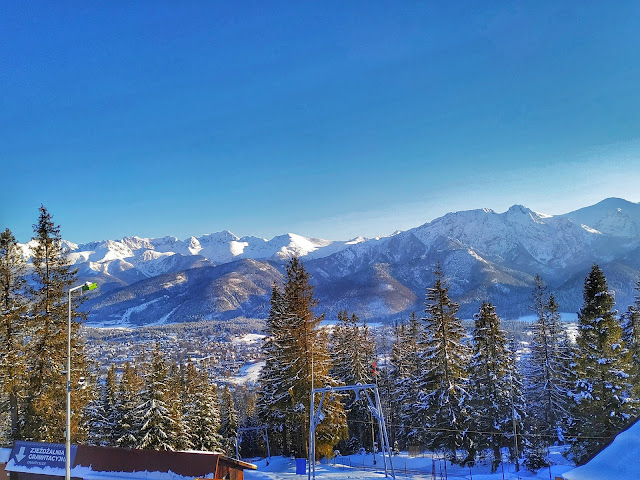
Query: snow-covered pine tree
<point x="127" y="424"/>
<point x="490" y="387"/>
<point x="519" y="413"/>
<point x="443" y="398"/>
<point x="13" y="305"/>
<point x="157" y="425"/>
<point x="47" y="346"/>
<point x="228" y="422"/>
<point x="96" y="416"/>
<point x="547" y="372"/>
<point x="353" y="351"/>
<point x="273" y="394"/>
<point x="202" y="411"/>
<point x="407" y="360"/>
<point x="111" y="407"/>
<point x="631" y="335"/>
<point x="386" y="380"/>
<point x="177" y="393"/>
<point x="253" y="443"/>
<point x="602" y="403"/>
<point x="295" y="344"/>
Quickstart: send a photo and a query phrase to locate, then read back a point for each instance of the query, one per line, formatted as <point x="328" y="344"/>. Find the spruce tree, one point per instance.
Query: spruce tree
<point x="110" y="407"/>
<point x="102" y="412"/>
<point x="157" y="426"/>
<point x="443" y="396"/>
<point x="13" y="306"/>
<point x="547" y="369"/>
<point x="631" y="335"/>
<point x="273" y="394"/>
<point x="353" y="352"/>
<point x="602" y="402"/>
<point x="177" y="393"/>
<point x="228" y="422"/>
<point x="47" y="346"/>
<point x="296" y="347"/>
<point x="127" y="427"/>
<point x="407" y="359"/>
<point x="490" y="386"/>
<point x="253" y="442"/>
<point x="202" y="413"/>
<point x="386" y="380"/>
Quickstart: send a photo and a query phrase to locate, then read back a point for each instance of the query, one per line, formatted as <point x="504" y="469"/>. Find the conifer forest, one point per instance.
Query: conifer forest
<point x="467" y="389"/>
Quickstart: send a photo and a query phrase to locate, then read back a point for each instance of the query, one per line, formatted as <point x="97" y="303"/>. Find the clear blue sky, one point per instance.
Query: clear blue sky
<point x="326" y="119"/>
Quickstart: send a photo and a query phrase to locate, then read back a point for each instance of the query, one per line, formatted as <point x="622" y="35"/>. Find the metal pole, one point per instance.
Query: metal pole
<point x="312" y="433"/>
<point x="312" y="428"/>
<point x="266" y="437"/>
<point x="67" y="457"/>
<point x="383" y="432"/>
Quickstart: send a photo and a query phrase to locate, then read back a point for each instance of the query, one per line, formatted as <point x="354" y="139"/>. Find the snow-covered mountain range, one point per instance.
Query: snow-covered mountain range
<point x="486" y="256"/>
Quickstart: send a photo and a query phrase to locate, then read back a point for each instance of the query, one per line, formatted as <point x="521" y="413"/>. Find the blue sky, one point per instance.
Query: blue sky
<point x="327" y="119"/>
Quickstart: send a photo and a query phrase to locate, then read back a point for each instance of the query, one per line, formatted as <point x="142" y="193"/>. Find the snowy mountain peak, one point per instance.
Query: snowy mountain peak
<point x="218" y="237"/>
<point x="612" y="216"/>
<point x="518" y="209"/>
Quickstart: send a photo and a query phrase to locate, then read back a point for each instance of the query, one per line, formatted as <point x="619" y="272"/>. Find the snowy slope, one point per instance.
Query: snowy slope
<point x="423" y="467"/>
<point x="619" y="461"/>
<point x="613" y="216"/>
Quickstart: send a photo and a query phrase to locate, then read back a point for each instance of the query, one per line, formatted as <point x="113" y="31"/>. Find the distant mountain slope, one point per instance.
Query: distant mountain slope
<point x="225" y="291"/>
<point x="612" y="216"/>
<point x="486" y="256"/>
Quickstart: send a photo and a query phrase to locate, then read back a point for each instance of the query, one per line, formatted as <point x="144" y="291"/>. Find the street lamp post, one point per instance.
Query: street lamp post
<point x="67" y="460"/>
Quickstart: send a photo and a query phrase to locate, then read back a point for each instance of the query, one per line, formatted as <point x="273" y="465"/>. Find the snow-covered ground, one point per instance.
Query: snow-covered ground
<point x="249" y="373"/>
<point x="619" y="461"/>
<point x="249" y="338"/>
<point x="420" y="468"/>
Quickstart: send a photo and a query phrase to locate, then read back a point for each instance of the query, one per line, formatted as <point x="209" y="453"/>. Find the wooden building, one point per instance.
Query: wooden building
<point x="43" y="461"/>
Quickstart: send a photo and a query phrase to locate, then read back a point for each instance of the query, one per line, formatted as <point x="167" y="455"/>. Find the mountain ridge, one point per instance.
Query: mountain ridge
<point x="486" y="256"/>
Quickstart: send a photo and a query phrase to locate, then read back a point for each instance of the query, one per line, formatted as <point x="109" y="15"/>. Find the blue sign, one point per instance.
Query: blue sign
<point x="36" y="454"/>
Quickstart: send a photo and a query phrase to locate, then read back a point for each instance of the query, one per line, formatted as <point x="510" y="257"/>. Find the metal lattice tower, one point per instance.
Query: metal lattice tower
<point x="375" y="407"/>
<point x="264" y="429"/>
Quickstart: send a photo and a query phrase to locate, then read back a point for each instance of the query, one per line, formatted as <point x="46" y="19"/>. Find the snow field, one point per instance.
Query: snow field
<point x="418" y="468"/>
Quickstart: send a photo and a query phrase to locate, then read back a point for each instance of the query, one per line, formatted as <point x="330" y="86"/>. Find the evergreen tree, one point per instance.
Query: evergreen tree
<point x="47" y="346"/>
<point x="228" y="422"/>
<point x="387" y="381"/>
<point x="407" y="358"/>
<point x="295" y="347"/>
<point x="158" y="429"/>
<point x="202" y="414"/>
<point x="547" y="369"/>
<point x="518" y="406"/>
<point x="178" y="394"/>
<point x="443" y="397"/>
<point x="602" y="403"/>
<point x="631" y="335"/>
<point x="101" y="412"/>
<point x="13" y="306"/>
<point x="127" y="428"/>
<point x="353" y="351"/>
<point x="110" y="407"/>
<point x="273" y="395"/>
<point x="253" y="443"/>
<point x="490" y="386"/>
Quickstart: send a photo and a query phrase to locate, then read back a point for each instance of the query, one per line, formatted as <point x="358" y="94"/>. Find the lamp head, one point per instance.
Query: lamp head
<point x="89" y="286"/>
